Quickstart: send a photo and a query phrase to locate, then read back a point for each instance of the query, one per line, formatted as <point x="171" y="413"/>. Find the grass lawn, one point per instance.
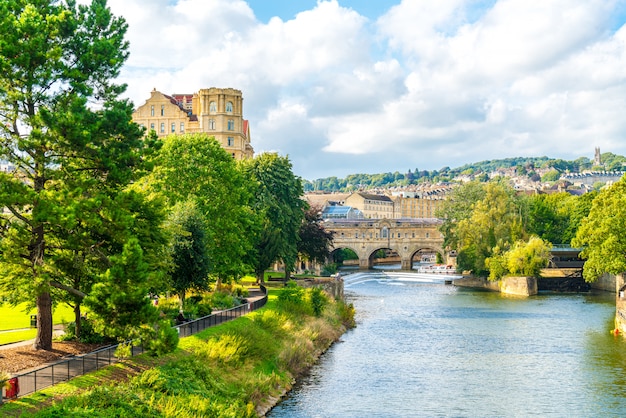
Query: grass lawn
<point x="15" y="336"/>
<point x="17" y="317"/>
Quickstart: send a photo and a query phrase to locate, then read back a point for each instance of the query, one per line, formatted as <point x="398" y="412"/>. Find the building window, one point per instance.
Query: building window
<point x="152" y="126"/>
<point x="231" y="125"/>
<point x="231" y="141"/>
<point x="162" y="127"/>
<point x="182" y="126"/>
<point x="152" y="110"/>
<point x="384" y="233"/>
<point x="212" y="107"/>
<point x="173" y="127"/>
<point x="229" y="107"/>
<point x="212" y="124"/>
<point x="162" y="110"/>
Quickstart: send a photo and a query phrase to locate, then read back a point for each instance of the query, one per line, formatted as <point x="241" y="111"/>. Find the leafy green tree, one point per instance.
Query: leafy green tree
<point x="459" y="205"/>
<point x="315" y="241"/>
<point x="71" y="144"/>
<point x="525" y="258"/>
<point x="124" y="285"/>
<point x="195" y="168"/>
<point x="545" y="217"/>
<point x="279" y="201"/>
<point x="495" y="222"/>
<point x="190" y="257"/>
<point x="602" y="234"/>
<point x="552" y="175"/>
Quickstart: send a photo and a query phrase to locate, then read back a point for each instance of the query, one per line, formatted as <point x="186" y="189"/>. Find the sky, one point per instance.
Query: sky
<point x="360" y="86"/>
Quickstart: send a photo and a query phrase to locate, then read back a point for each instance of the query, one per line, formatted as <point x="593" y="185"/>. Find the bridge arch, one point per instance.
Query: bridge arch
<point x="406" y="237"/>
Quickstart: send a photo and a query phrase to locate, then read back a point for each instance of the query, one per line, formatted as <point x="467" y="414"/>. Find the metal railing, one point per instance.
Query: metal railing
<point x="35" y="380"/>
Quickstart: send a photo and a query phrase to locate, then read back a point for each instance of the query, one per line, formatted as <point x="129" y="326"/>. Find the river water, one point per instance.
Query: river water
<point x="435" y="350"/>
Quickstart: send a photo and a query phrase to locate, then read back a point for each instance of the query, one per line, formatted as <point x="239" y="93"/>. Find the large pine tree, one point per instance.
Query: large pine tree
<point x="70" y="147"/>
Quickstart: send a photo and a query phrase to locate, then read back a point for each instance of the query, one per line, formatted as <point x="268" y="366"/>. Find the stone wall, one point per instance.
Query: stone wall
<point x="331" y="286"/>
<point x="519" y="286"/>
<point x="607" y="283"/>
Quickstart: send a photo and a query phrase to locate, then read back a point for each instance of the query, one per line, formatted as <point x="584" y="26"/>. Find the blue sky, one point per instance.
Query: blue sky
<point x="356" y="86"/>
<point x="287" y="9"/>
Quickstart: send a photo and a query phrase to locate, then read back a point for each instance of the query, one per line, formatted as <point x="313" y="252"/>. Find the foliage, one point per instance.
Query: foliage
<point x="556" y="217"/>
<point x="194" y="169"/>
<point x="476" y="227"/>
<point x="329" y="269"/>
<point x="162" y="340"/>
<point x="190" y="261"/>
<point x="552" y="175"/>
<point x="292" y="294"/>
<point x="72" y="147"/>
<point x="119" y="299"/>
<point x="87" y="333"/>
<point x="318" y="300"/>
<point x="278" y="201"/>
<point x="602" y="234"/>
<point x="224" y="371"/>
<point x="314" y="240"/>
<point x="525" y="258"/>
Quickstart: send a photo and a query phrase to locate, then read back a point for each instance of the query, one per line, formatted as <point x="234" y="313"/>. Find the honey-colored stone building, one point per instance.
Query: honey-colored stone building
<point x="215" y="111"/>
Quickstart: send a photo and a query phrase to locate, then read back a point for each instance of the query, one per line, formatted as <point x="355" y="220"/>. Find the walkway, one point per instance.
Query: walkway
<point x="64" y="370"/>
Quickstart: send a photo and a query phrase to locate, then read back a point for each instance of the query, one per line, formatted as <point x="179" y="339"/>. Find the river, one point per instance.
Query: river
<point x="435" y="350"/>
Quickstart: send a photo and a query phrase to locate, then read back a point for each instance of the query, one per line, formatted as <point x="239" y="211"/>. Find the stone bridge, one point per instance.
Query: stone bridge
<point x="407" y="237"/>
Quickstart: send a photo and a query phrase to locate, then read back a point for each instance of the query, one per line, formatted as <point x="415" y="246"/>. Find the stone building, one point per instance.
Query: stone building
<point x="373" y="206"/>
<point x="214" y="111"/>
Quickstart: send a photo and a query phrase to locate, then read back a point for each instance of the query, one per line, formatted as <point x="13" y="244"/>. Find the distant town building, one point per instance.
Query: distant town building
<point x="215" y="111"/>
<point x="597" y="159"/>
<point x="373" y="206"/>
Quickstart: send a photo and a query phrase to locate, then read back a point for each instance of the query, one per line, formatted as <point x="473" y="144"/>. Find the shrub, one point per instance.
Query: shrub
<point x="318" y="300"/>
<point x="346" y="314"/>
<point x="87" y="333"/>
<point x="162" y="339"/>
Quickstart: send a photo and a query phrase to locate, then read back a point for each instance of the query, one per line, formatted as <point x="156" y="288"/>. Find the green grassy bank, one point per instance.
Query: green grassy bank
<point x="238" y="369"/>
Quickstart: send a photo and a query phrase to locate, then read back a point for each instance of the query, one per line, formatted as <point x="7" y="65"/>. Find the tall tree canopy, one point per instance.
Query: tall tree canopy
<point x="72" y="149"/>
<point x="195" y="168"/>
<point x="315" y="240"/>
<point x="279" y="201"/>
<point x="602" y="234"/>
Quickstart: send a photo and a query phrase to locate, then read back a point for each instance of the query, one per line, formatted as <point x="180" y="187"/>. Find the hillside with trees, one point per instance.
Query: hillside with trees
<point x="531" y="167"/>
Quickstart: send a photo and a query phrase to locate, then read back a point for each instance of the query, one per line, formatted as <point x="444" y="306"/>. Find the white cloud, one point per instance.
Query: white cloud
<point x="429" y="84"/>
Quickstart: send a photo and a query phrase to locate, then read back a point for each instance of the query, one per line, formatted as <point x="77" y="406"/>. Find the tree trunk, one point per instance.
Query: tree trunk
<point x="43" y="340"/>
<point x="77" y="321"/>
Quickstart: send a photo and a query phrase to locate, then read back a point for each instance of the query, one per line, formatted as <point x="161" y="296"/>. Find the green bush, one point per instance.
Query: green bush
<point x="162" y="339"/>
<point x="318" y="300"/>
<point x="87" y="333"/>
<point x="221" y="300"/>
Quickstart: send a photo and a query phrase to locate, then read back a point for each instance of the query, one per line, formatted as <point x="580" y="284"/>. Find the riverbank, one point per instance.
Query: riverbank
<point x="239" y="369"/>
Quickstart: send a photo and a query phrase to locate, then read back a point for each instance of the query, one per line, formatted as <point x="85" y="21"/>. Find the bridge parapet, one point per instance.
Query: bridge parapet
<point x="406" y="236"/>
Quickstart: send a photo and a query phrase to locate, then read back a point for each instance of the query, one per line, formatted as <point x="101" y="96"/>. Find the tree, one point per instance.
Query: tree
<point x="525" y="258"/>
<point x="190" y="258"/>
<point x="488" y="218"/>
<point x="123" y="285"/>
<point x="315" y="241"/>
<point x="69" y="162"/>
<point x="278" y="200"/>
<point x="195" y="168"/>
<point x="459" y="205"/>
<point x="602" y="234"/>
